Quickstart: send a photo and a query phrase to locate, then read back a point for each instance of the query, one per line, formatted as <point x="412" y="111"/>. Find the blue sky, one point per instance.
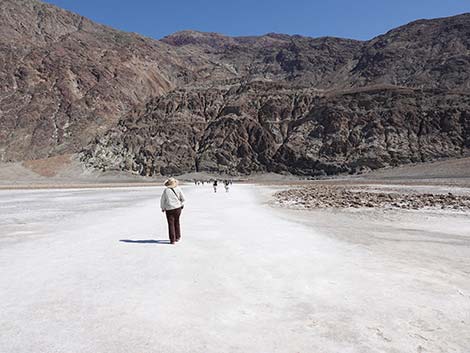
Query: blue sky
<point x="358" y="19"/>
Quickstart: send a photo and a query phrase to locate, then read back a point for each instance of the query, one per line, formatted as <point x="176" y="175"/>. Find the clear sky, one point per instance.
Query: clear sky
<point x="358" y="19"/>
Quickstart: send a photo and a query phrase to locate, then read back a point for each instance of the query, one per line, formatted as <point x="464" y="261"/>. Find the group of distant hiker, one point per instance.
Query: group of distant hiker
<point x="226" y="183"/>
<point x="172" y="203"/>
<point x="215" y="183"/>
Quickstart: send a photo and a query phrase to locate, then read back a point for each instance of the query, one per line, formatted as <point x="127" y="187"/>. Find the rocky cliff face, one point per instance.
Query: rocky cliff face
<point x="203" y="101"/>
<point x="268" y="127"/>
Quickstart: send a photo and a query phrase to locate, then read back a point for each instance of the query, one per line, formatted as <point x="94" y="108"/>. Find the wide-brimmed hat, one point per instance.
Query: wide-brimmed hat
<point x="171" y="183"/>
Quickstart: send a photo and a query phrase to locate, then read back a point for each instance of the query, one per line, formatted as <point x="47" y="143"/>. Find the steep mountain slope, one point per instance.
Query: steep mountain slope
<point x="64" y="78"/>
<point x="204" y="101"/>
<point x="424" y="54"/>
<point x="318" y="62"/>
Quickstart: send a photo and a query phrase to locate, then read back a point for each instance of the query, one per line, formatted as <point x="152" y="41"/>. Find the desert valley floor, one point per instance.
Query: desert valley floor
<point x="90" y="270"/>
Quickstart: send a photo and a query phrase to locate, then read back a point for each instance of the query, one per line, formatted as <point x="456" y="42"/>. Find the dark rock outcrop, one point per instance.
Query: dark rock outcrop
<point x="264" y="127"/>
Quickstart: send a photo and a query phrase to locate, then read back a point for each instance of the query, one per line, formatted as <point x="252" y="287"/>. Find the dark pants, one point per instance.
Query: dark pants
<point x="173" y="218"/>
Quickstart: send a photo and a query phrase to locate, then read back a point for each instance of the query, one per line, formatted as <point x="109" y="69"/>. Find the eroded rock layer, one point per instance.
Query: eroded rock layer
<point x="264" y="127"/>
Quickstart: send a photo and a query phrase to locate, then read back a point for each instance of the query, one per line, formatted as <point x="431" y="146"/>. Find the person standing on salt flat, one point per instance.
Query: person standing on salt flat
<point x="226" y="184"/>
<point x="215" y="185"/>
<point x="172" y="202"/>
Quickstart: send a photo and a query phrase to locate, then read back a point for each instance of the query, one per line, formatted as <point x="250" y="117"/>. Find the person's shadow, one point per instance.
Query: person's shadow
<point x="146" y="241"/>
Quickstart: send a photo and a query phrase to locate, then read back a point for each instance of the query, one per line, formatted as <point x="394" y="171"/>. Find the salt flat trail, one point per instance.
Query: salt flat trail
<point x="81" y="271"/>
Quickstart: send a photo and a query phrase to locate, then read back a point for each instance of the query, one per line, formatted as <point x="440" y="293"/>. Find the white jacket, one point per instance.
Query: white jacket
<point x="172" y="200"/>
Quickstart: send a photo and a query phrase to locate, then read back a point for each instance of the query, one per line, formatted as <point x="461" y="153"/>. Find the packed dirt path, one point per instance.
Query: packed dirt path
<point x="91" y="271"/>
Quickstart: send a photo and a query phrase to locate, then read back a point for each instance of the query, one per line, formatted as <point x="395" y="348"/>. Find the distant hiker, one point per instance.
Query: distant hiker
<point x="215" y="185"/>
<point x="226" y="184"/>
<point x="171" y="203"/>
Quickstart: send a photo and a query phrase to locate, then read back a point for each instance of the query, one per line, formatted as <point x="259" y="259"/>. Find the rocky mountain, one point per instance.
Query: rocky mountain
<point x="301" y="61"/>
<point x="268" y="127"/>
<point x="424" y="54"/>
<point x="198" y="101"/>
<point x="63" y="78"/>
